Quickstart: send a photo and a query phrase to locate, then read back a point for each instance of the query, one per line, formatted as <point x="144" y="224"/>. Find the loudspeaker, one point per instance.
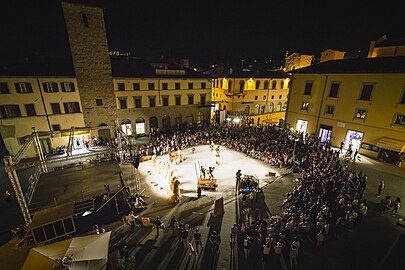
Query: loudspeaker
<point x="136" y="161"/>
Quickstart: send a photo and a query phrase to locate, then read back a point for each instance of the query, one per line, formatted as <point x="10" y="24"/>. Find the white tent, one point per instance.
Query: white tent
<point x="85" y="252"/>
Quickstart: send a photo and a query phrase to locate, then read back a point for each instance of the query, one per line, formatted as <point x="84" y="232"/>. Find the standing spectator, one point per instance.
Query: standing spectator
<point x="158" y="224"/>
<point x="380" y="188"/>
<point x="266" y="250"/>
<point x="234" y="231"/>
<point x="246" y="246"/>
<point x="214" y="242"/>
<point x="197" y="240"/>
<point x="362" y="211"/>
<point x="278" y="249"/>
<point x="131" y="220"/>
<point x="385" y="204"/>
<point x="342" y="144"/>
<point x="293" y="256"/>
<point x="184" y="236"/>
<point x="173" y="222"/>
<point x="319" y="238"/>
<point x="396" y="205"/>
<point x="355" y="155"/>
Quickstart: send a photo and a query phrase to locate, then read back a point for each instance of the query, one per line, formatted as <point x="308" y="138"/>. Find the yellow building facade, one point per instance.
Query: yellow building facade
<point x="258" y="96"/>
<point x="356" y="101"/>
<point x="296" y="61"/>
<point x="50" y="104"/>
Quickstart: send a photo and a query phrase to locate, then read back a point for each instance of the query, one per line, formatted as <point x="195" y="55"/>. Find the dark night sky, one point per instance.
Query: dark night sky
<point x="203" y="32"/>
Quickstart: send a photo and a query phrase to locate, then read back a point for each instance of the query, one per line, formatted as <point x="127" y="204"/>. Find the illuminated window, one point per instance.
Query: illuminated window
<point x="308" y="88"/>
<point x="361" y="113"/>
<point x="71" y="107"/>
<point x="305" y="106"/>
<point x="400" y="119"/>
<point x="67" y="87"/>
<point x="279" y="106"/>
<point x="271" y="107"/>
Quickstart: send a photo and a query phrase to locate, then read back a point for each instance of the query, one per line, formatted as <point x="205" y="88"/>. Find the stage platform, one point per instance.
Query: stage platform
<point x="76" y="184"/>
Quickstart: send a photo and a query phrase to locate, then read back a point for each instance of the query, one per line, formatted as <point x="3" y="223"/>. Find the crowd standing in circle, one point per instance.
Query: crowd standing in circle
<point x="326" y="199"/>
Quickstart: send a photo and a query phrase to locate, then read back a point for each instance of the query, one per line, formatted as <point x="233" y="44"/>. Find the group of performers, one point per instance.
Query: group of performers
<point x="209" y="172"/>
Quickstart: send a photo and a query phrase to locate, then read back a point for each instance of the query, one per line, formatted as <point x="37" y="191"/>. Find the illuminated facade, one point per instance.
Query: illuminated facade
<point x="330" y="54"/>
<point x="357" y="101"/>
<point x="260" y="96"/>
<point x="296" y="61"/>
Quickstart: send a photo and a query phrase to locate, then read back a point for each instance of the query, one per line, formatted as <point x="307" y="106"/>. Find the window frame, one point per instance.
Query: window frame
<point x="337" y="90"/>
<point x="152" y="101"/>
<point x="71" y="86"/>
<point x="151" y="86"/>
<point x="401" y="117"/>
<point x="52" y="108"/>
<point x="308" y="90"/>
<point x="177" y="100"/>
<point x="70" y="105"/>
<point x="119" y="86"/>
<point x="4" y="89"/>
<point x="33" y="109"/>
<point x="136" y="86"/>
<point x="356" y="113"/>
<point x="305" y="106"/>
<point x="371" y="92"/>
<point x="327" y="111"/>
<point x="99" y="102"/>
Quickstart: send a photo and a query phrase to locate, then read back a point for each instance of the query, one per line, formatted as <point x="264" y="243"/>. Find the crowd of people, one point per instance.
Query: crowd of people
<point x="327" y="198"/>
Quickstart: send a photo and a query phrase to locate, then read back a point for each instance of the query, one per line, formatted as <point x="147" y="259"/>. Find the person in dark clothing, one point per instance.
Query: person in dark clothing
<point x="197" y="240"/>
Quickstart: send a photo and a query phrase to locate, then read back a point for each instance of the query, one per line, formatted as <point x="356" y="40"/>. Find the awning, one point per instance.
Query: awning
<point x="391" y="144"/>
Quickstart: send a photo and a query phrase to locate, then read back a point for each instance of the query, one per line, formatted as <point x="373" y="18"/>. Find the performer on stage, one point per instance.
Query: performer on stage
<point x="202" y="172"/>
<point x="210" y="175"/>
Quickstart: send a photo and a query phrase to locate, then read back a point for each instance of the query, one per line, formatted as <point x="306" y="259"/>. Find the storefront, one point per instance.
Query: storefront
<point x="390" y="150"/>
<point x="302" y="126"/>
<point x="354" y="139"/>
<point x="325" y="133"/>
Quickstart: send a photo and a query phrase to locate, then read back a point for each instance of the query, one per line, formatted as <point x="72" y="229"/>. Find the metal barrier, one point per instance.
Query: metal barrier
<point x="32" y="180"/>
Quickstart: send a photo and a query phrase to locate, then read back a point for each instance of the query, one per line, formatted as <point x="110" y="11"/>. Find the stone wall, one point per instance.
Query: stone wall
<point x="89" y="49"/>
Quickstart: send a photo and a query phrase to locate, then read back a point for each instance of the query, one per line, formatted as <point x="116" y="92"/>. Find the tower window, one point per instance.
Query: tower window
<point x="85" y="20"/>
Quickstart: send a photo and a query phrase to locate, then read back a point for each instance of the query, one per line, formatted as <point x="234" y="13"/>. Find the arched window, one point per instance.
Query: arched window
<point x="285" y="106"/>
<point x="271" y="107"/>
<point x="153" y="123"/>
<point x="126" y="127"/>
<point x="229" y="85"/>
<point x="241" y="86"/>
<point x="140" y="125"/>
<point x="278" y="108"/>
<point x="166" y="122"/>
<point x="266" y="84"/>
<point x="257" y="84"/>
<point x="273" y="84"/>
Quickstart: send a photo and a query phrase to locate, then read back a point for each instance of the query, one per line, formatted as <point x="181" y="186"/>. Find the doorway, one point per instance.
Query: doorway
<point x="325" y="133"/>
<point x="354" y="138"/>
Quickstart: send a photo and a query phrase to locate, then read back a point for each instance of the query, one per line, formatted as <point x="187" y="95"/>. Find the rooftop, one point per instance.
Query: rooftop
<point x="358" y="65"/>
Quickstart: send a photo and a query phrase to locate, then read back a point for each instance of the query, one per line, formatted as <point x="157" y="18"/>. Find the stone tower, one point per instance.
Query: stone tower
<point x="91" y="61"/>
